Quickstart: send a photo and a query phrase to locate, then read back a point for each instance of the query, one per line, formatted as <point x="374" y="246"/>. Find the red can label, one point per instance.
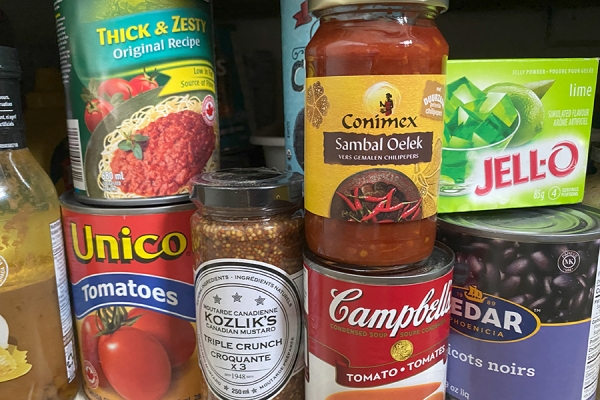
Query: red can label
<point x="133" y="296"/>
<point x="385" y="341"/>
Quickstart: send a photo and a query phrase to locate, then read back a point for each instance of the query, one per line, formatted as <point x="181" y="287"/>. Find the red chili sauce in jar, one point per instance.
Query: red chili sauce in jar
<point x="361" y="41"/>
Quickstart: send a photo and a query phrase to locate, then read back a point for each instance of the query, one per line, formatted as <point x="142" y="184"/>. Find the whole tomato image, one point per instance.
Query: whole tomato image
<point x="113" y="86"/>
<point x="143" y="82"/>
<point x="176" y="335"/>
<point x="135" y="363"/>
<point x="90" y="328"/>
<point x="95" y="111"/>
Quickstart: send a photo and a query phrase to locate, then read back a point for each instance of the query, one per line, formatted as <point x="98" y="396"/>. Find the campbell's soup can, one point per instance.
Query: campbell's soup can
<point x="131" y="273"/>
<point x="141" y="104"/>
<point x="525" y="316"/>
<point x="380" y="336"/>
<point x="297" y="27"/>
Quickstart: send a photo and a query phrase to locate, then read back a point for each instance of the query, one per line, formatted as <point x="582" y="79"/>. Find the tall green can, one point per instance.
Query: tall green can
<point x="141" y="103"/>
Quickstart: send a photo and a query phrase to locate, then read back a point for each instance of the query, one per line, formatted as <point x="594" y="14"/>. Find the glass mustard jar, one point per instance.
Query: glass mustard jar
<point x="247" y="236"/>
<point x="37" y="349"/>
<point x="374" y="118"/>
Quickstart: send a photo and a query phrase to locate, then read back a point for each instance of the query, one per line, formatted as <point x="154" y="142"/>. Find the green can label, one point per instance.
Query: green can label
<point x="141" y="109"/>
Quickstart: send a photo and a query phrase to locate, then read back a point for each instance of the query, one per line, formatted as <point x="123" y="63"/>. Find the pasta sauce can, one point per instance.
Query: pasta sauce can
<point x="141" y="103"/>
<point x="131" y="276"/>
<point x="378" y="336"/>
<point x="525" y="303"/>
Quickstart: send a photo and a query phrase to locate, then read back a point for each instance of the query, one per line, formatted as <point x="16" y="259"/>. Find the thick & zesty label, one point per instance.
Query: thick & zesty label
<point x="250" y="327"/>
<point x="376" y="338"/>
<point x="141" y="98"/>
<point x="373" y="146"/>
<point x="132" y="285"/>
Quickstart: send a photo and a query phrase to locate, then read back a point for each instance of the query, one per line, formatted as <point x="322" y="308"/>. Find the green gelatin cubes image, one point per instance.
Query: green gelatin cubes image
<point x="516" y="132"/>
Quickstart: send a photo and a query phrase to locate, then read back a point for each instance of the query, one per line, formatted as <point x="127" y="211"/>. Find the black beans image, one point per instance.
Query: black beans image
<point x="555" y="281"/>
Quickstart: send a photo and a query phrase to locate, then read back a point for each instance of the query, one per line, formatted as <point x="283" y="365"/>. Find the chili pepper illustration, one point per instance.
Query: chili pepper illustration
<point x="372" y="199"/>
<point x="357" y="203"/>
<point x="347" y="201"/>
<point x="409" y="212"/>
<point x="397" y="207"/>
<point x="378" y="208"/>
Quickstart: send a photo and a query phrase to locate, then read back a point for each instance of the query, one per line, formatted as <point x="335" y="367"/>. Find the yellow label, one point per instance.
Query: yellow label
<point x="373" y="146"/>
<point x="187" y="78"/>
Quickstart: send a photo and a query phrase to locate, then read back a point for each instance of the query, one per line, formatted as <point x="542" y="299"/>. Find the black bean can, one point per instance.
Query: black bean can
<point x="525" y="303"/>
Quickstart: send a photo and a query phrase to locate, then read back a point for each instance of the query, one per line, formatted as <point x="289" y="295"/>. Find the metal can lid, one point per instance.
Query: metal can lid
<point x="565" y="224"/>
<point x="437" y="264"/>
<point x="9" y="63"/>
<point x="70" y="202"/>
<point x="315" y="5"/>
<point x="264" y="189"/>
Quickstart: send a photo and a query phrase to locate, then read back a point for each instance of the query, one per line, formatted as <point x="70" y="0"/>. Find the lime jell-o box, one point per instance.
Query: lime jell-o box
<point x="516" y="133"/>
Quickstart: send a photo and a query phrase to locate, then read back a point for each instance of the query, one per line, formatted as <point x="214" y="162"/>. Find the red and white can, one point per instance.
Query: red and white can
<point x="380" y="336"/>
<point x="131" y="279"/>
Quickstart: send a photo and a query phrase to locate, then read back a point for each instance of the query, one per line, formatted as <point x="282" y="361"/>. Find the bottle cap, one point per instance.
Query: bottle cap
<point x="257" y="191"/>
<point x="316" y="5"/>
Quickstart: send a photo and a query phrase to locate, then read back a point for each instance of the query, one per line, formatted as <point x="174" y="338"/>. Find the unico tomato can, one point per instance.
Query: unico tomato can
<point x="131" y="274"/>
<point x="141" y="103"/>
<point x="525" y="306"/>
<point x="380" y="336"/>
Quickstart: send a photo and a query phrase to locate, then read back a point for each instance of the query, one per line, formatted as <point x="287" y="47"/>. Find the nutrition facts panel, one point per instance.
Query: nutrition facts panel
<point x="590" y="379"/>
<point x="62" y="288"/>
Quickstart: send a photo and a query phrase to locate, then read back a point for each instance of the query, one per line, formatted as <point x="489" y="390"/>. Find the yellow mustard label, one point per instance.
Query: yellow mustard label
<point x="373" y="146"/>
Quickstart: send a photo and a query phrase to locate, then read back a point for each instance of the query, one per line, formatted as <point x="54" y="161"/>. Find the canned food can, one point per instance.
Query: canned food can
<point x="523" y="304"/>
<point x="297" y="27"/>
<point x="131" y="272"/>
<point x="141" y="103"/>
<point x="378" y="336"/>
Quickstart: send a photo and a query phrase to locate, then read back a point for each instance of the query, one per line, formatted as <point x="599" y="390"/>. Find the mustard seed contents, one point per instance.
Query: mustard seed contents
<point x="276" y="240"/>
<point x="247" y="237"/>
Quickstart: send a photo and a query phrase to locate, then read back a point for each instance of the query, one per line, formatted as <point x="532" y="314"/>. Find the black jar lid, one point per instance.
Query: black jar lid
<point x="262" y="190"/>
<point x="9" y="63"/>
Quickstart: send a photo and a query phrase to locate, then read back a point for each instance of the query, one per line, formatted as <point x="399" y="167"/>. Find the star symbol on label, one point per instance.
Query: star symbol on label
<point x="254" y="390"/>
<point x="237" y="297"/>
<point x="217" y="299"/>
<point x="226" y="387"/>
<point x="302" y="17"/>
<point x="260" y="301"/>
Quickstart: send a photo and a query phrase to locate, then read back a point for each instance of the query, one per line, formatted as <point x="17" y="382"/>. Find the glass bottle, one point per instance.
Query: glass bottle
<point x="370" y="67"/>
<point x="37" y="359"/>
<point x="248" y="237"/>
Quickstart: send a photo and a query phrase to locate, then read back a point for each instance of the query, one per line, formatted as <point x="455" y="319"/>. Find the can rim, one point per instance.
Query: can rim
<point x="69" y="202"/>
<point x="440" y="262"/>
<point x="590" y="231"/>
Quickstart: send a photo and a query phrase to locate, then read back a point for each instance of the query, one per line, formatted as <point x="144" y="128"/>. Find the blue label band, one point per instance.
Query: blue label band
<point x="152" y="292"/>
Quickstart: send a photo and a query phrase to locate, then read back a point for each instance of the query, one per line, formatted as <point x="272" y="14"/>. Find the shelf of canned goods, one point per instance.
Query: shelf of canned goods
<point x="299" y="200"/>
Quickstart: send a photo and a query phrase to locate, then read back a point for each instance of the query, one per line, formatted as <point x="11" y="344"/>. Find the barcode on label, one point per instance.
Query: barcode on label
<point x="75" y="152"/>
<point x="62" y="289"/>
